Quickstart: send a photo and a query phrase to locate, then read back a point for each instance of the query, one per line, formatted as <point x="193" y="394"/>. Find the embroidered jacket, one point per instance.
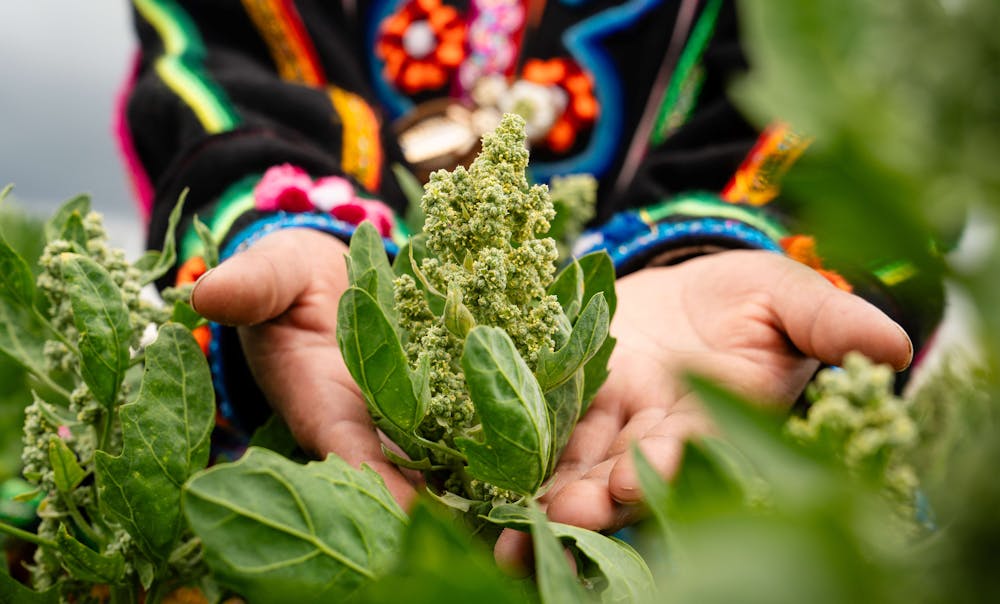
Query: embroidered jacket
<point x="278" y="113"/>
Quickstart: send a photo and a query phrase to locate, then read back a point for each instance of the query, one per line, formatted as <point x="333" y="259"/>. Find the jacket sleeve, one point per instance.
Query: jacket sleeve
<point x="230" y="102"/>
<point x="710" y="182"/>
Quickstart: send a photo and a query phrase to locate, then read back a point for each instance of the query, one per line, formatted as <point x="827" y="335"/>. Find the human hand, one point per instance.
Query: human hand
<point x="282" y="294"/>
<point x="757" y="322"/>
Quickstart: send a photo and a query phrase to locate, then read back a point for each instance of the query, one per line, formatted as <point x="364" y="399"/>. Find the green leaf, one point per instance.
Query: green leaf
<point x="210" y="247"/>
<point x="155" y="265"/>
<point x="627" y="577"/>
<point x="557" y="583"/>
<point x="656" y="495"/>
<point x="22" y="337"/>
<point x="414" y="192"/>
<point x="374" y="355"/>
<point x="166" y="439"/>
<point x="599" y="276"/>
<point x="458" y="318"/>
<point x="18" y="282"/>
<point x="74" y="232"/>
<point x="568" y="289"/>
<point x="586" y="339"/>
<point x="102" y="318"/>
<point x="86" y="564"/>
<point x="56" y="225"/>
<point x="65" y="466"/>
<point x="367" y="252"/>
<point x="274" y="435"/>
<point x="440" y="563"/>
<point x="511" y="407"/>
<point x="596" y="372"/>
<point x="12" y="592"/>
<point x="564" y="404"/>
<point x="311" y="533"/>
<point x="185" y="315"/>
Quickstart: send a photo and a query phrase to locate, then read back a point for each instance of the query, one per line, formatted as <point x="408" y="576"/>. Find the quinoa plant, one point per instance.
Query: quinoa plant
<point x="472" y="354"/>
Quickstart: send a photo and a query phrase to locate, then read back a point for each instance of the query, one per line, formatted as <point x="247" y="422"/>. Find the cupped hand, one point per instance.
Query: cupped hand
<point x="282" y="294"/>
<point x="755" y="321"/>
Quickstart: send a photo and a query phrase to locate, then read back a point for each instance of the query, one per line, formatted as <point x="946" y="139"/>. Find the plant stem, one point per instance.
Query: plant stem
<point x="13" y="531"/>
<point x="83" y="525"/>
<point x="430" y="444"/>
<point x="56" y="333"/>
<point x="123" y="594"/>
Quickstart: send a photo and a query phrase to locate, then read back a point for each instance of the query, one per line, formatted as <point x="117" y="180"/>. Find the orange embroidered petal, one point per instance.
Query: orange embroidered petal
<point x="561" y="136"/>
<point x="836" y="279"/>
<point x="450" y="55"/>
<point x="585" y="107"/>
<point x="801" y="248"/>
<point x="202" y="335"/>
<point x="190" y="271"/>
<point x="442" y="18"/>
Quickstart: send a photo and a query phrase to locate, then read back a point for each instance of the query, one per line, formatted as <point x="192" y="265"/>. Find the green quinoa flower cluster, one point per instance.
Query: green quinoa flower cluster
<point x="855" y="415"/>
<point x="482" y="228"/>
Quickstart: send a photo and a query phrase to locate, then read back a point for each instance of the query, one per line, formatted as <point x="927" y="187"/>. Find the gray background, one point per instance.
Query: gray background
<point x="62" y="62"/>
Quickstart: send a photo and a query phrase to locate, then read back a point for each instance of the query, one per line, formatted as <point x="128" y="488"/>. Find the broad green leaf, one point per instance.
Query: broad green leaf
<point x="166" y="439"/>
<point x="184" y="315"/>
<point x="155" y="265"/>
<point x="22" y="337"/>
<point x="564" y="403"/>
<point x="12" y="592"/>
<point x="210" y="247"/>
<point x="656" y="496"/>
<point x="274" y="435"/>
<point x="102" y="318"/>
<point x="414" y="192"/>
<point x="311" y="533"/>
<point x="627" y="576"/>
<point x="55" y="225"/>
<point x="74" y="232"/>
<point x="374" y="355"/>
<point x="511" y="407"/>
<point x="568" y="289"/>
<point x="440" y="563"/>
<point x="17" y="284"/>
<point x="599" y="276"/>
<point x="86" y="564"/>
<point x="557" y="583"/>
<point x="65" y="466"/>
<point x="367" y="252"/>
<point x="586" y="339"/>
<point x="596" y="372"/>
<point x="757" y="435"/>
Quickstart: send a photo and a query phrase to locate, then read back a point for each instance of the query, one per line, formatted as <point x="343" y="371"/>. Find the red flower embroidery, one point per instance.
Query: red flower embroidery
<point x="581" y="106"/>
<point x="422" y="45"/>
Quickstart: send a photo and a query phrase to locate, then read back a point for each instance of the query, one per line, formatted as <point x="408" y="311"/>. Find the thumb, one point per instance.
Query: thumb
<point x="826" y="323"/>
<point x="262" y="282"/>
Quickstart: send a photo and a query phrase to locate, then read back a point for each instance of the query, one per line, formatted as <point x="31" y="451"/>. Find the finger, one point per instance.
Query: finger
<point x="262" y="282"/>
<point x="826" y="323"/>
<point x="588" y="445"/>
<point x="588" y="503"/>
<point x="513" y="553"/>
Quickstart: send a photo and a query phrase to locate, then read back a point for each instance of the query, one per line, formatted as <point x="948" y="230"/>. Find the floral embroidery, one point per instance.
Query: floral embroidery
<point x="422" y="44"/>
<point x="802" y="248"/>
<point x="189" y="272"/>
<point x="580" y="108"/>
<point x="495" y="29"/>
<point x="289" y="188"/>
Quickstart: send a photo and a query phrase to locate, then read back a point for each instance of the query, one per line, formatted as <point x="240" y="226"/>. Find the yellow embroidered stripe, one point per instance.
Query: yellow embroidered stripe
<point x="362" y="149"/>
<point x="279" y="25"/>
<point x="180" y="66"/>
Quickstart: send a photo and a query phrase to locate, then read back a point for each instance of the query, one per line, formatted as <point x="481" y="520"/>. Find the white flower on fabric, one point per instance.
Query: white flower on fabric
<point x="539" y="105"/>
<point x="419" y="39"/>
<point x="330" y="192"/>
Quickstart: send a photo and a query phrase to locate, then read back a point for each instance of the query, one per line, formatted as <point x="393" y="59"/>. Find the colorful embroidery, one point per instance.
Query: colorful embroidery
<point x="281" y="28"/>
<point x="494" y="38"/>
<point x="802" y="248"/>
<point x="138" y="176"/>
<point x="233" y="203"/>
<point x="189" y="272"/>
<point x="422" y="44"/>
<point x="288" y="188"/>
<point x="894" y="273"/>
<point x="686" y="81"/>
<point x="583" y="40"/>
<point x="580" y="106"/>
<point x="757" y="181"/>
<point x="704" y="205"/>
<point x="181" y="65"/>
<point x="361" y="152"/>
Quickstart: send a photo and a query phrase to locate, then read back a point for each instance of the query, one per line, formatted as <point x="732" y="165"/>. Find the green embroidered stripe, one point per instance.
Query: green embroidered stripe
<point x="681" y="80"/>
<point x="895" y="273"/>
<point x="181" y="65"/>
<point x="707" y="205"/>
<point x="237" y="200"/>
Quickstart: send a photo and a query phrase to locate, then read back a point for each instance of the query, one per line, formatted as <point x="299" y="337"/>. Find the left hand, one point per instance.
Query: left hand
<point x="757" y="322"/>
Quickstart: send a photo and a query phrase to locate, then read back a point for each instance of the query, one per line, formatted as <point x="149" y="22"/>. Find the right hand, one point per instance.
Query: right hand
<point x="282" y="295"/>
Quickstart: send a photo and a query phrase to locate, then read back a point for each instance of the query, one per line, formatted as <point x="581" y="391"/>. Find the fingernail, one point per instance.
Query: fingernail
<point x="909" y="345"/>
<point x="195" y="288"/>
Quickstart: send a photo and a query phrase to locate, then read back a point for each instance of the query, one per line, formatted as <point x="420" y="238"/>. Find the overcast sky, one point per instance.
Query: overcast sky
<point x="61" y="64"/>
